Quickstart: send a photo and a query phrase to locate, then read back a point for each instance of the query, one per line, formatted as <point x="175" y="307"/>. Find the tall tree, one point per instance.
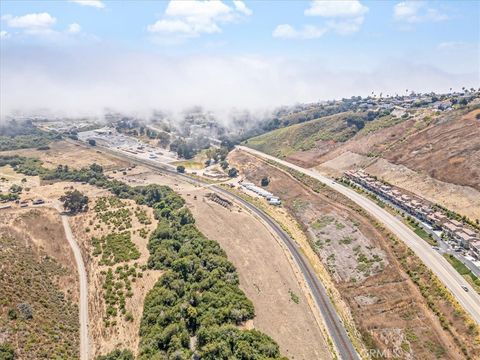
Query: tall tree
<point x="74" y="201"/>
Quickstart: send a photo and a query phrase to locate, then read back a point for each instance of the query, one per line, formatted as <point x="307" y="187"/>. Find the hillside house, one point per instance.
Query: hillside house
<point x="475" y="249"/>
<point x="450" y="229"/>
<point x="464" y="239"/>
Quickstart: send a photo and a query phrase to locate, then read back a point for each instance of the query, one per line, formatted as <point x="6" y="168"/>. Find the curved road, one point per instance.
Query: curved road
<point x="452" y="280"/>
<point x="82" y="274"/>
<point x="328" y="312"/>
<point x="333" y="323"/>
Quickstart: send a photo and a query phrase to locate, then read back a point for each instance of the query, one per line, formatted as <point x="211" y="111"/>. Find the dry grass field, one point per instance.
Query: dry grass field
<point x="435" y="155"/>
<point x="68" y="153"/>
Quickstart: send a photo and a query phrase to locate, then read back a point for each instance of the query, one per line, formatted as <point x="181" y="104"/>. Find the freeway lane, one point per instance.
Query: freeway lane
<point x="333" y="323"/>
<point x="435" y="262"/>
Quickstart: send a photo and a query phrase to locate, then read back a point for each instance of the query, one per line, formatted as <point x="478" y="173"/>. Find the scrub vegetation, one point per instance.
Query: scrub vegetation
<point x="304" y="136"/>
<point x="36" y="317"/>
<point x="21" y="135"/>
<point x="115" y="248"/>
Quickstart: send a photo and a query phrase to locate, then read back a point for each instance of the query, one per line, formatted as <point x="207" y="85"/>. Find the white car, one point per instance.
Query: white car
<point x="465" y="288"/>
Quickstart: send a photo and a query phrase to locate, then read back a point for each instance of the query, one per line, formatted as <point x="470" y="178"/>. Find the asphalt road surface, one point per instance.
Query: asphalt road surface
<point x="333" y="323"/>
<point x="470" y="300"/>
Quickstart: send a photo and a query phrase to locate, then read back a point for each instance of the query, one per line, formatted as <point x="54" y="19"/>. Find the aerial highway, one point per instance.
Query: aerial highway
<point x="452" y="280"/>
<point x="332" y="321"/>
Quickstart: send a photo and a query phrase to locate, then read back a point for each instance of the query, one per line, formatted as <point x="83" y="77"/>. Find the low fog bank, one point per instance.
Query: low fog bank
<point x="47" y="81"/>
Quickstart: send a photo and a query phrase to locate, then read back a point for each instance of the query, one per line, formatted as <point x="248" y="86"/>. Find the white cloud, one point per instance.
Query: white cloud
<point x="174" y="26"/>
<point x="40" y="26"/>
<point x="286" y="31"/>
<point x="338" y="8"/>
<point x="450" y="45"/>
<point x="4" y="34"/>
<point x="241" y="7"/>
<point x="30" y="21"/>
<point x="191" y="18"/>
<point x="417" y="11"/>
<point x="345" y="27"/>
<point x="344" y="17"/>
<point x="92" y="3"/>
<point x="74" y="28"/>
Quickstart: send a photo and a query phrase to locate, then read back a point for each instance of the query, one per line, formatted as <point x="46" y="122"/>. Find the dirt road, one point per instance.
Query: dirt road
<point x="452" y="280"/>
<point x="82" y="274"/>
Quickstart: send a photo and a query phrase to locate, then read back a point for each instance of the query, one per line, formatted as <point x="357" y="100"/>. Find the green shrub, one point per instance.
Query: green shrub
<point x="6" y="352"/>
<point x="117" y="355"/>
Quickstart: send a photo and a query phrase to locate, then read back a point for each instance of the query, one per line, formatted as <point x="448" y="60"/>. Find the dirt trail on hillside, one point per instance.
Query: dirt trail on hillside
<point x="82" y="274"/>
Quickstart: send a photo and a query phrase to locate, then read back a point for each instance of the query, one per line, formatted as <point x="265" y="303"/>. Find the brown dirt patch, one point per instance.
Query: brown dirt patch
<point x="440" y="150"/>
<point x="472" y="115"/>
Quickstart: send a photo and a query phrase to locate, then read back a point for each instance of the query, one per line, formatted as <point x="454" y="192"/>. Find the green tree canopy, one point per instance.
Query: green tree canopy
<point x="74" y="201"/>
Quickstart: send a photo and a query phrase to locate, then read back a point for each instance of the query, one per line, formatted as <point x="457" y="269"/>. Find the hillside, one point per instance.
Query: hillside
<point x="320" y="134"/>
<point x="38" y="302"/>
<point x="449" y="150"/>
<point x="439" y="151"/>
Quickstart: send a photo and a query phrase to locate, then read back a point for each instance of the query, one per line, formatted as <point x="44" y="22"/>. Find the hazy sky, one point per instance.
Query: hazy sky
<point x="80" y="57"/>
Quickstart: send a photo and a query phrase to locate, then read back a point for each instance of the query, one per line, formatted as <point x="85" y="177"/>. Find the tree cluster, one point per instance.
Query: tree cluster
<point x="198" y="295"/>
<point x="182" y="148"/>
